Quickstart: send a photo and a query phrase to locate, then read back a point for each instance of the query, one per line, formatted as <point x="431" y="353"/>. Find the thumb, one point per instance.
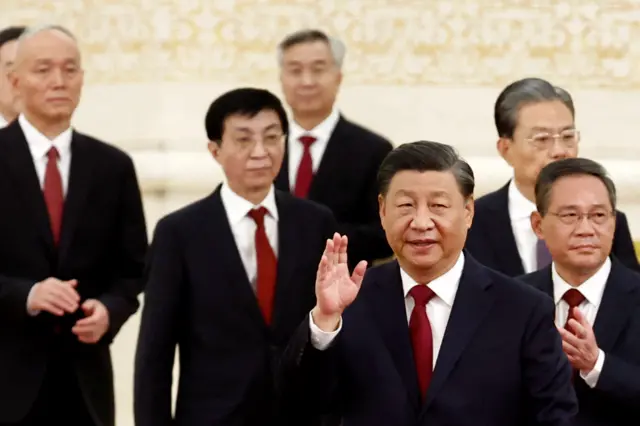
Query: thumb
<point x="358" y="272"/>
<point x="89" y="306"/>
<point x="72" y="283"/>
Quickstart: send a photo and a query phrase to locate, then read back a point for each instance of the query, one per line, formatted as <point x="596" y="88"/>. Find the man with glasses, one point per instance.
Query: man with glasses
<point x="230" y="277"/>
<point x="330" y="159"/>
<point x="597" y="299"/>
<point x="536" y="126"/>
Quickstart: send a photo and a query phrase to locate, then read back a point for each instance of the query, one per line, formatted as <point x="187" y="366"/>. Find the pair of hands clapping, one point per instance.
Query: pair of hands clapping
<point x="335" y="287"/>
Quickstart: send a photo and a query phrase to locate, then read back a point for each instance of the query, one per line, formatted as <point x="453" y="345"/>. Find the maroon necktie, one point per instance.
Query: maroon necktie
<point x="53" y="194"/>
<point x="574" y="298"/>
<point x="305" y="168"/>
<point x="421" y="336"/>
<point x="267" y="265"/>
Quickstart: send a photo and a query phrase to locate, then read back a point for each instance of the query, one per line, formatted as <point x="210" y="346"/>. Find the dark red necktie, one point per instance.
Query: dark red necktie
<point x="574" y="298"/>
<point x="421" y="336"/>
<point x="53" y="194"/>
<point x="305" y="168"/>
<point x="267" y="265"/>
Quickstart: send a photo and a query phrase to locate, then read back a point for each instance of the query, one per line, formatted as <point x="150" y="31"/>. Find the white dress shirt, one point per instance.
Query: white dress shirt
<point x="39" y="146"/>
<point x="520" y="209"/>
<point x="439" y="307"/>
<point x="592" y="289"/>
<point x="322" y="132"/>
<point x="3" y="122"/>
<point x="244" y="227"/>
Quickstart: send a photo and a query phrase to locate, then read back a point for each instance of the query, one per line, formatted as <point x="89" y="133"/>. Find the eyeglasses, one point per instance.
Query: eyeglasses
<point x="598" y="217"/>
<point x="568" y="139"/>
<point x="249" y="142"/>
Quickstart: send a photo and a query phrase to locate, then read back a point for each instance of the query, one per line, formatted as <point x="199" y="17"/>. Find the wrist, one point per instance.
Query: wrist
<point x="325" y="322"/>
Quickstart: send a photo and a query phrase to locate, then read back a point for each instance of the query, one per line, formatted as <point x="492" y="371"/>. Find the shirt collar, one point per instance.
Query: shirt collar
<point x="3" y="121"/>
<point x="238" y="208"/>
<point x="321" y="132"/>
<point x="39" y="144"/>
<point x="520" y="207"/>
<point x="591" y="289"/>
<point x="445" y="286"/>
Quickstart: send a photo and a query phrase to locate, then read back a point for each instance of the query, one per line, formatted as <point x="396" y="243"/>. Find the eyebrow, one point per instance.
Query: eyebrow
<point x="548" y="129"/>
<point x="575" y="207"/>
<point x="404" y="192"/>
<point x="274" y="126"/>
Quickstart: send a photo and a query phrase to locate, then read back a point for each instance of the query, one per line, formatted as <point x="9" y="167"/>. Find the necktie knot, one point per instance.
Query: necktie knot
<point x="573" y="297"/>
<point x="258" y="215"/>
<point x="53" y="154"/>
<point x="307" y="141"/>
<point x="421" y="294"/>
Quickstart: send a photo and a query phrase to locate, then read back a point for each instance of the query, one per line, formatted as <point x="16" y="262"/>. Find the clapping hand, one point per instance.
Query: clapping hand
<point x="335" y="288"/>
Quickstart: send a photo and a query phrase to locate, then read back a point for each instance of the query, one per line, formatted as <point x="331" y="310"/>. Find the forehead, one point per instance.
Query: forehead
<point x="264" y="120"/>
<point x="49" y="45"/>
<point x="309" y="51"/>
<point x="424" y="184"/>
<point x="579" y="191"/>
<point x="8" y="51"/>
<point x="548" y="114"/>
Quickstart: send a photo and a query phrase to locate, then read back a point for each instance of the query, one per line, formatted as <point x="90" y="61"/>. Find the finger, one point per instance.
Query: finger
<point x="571" y="338"/>
<point x="51" y="308"/>
<point x="337" y="242"/>
<point x="88" y="321"/>
<point x="71" y="292"/>
<point x="330" y="252"/>
<point x="322" y="270"/>
<point x="358" y="272"/>
<point x="60" y="299"/>
<point x="579" y="317"/>
<point x="342" y="252"/>
<point x="569" y="349"/>
<point x="577" y="328"/>
<point x="72" y="283"/>
<point x="84" y="329"/>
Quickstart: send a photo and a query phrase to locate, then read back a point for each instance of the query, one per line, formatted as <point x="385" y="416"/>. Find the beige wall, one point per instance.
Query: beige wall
<point x="414" y="70"/>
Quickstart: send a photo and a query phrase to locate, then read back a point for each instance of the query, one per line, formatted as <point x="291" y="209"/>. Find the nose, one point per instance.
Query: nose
<point x="422" y="220"/>
<point x="558" y="149"/>
<point x="584" y="227"/>
<point x="259" y="149"/>
<point x="57" y="78"/>
<point x="307" y="78"/>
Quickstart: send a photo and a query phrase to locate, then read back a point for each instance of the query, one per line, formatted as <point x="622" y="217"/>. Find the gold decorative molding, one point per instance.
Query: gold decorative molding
<point x="585" y="43"/>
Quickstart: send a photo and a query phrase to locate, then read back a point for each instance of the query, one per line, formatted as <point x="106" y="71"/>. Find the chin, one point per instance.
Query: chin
<point x="587" y="260"/>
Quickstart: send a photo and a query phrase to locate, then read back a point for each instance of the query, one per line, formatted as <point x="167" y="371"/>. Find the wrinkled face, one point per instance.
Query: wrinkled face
<point x="251" y="151"/>
<point x="7" y="57"/>
<point x="425" y="218"/>
<point x="580" y="223"/>
<point x="545" y="132"/>
<point x="310" y="77"/>
<point x="48" y="76"/>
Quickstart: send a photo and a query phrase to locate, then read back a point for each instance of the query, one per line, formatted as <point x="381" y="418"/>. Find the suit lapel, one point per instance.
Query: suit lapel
<point x="501" y="233"/>
<point x="616" y="306"/>
<point x="289" y="245"/>
<point x="80" y="178"/>
<point x="472" y="303"/>
<point x="389" y="311"/>
<point x="19" y="163"/>
<point x="334" y="157"/>
<point x="226" y="260"/>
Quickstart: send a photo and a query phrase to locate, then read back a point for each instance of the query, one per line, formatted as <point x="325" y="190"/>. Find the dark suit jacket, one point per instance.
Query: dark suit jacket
<point x="346" y="183"/>
<point x="103" y="245"/>
<point x="199" y="298"/>
<point x="615" y="401"/>
<point x="491" y="239"/>
<point x="500" y="363"/>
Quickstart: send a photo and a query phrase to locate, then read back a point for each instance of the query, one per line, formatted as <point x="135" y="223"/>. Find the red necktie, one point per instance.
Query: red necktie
<point x="421" y="336"/>
<point x="305" y="168"/>
<point x="574" y="298"/>
<point x="53" y="195"/>
<point x="267" y="265"/>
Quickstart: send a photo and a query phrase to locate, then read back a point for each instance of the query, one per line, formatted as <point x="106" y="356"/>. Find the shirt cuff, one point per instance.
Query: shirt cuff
<point x="592" y="377"/>
<point x="320" y="339"/>
<point x="30" y="312"/>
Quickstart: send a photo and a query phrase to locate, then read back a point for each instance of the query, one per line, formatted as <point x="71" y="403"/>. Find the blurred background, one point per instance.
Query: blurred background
<point x="414" y="70"/>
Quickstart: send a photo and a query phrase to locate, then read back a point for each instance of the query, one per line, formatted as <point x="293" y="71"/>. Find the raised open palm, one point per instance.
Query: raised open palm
<point x="335" y="288"/>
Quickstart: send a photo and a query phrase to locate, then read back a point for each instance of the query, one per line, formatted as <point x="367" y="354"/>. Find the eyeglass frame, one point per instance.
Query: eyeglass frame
<point x="555" y="136"/>
<point x="578" y="217"/>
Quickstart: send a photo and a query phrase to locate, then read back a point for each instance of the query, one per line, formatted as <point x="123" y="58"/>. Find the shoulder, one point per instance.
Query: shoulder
<point x="104" y="151"/>
<point x="518" y="291"/>
<point x="374" y="141"/>
<point x="303" y="207"/>
<point x="490" y="199"/>
<point x="187" y="217"/>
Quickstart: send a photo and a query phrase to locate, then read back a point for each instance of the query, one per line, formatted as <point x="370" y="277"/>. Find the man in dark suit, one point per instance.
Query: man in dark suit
<point x="229" y="279"/>
<point x="8" y="46"/>
<point x="597" y="299"/>
<point x="73" y="245"/>
<point x="330" y="159"/>
<point x="536" y="125"/>
<point x="433" y="338"/>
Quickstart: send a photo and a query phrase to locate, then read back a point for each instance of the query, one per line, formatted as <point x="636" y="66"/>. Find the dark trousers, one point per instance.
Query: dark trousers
<point x="59" y="401"/>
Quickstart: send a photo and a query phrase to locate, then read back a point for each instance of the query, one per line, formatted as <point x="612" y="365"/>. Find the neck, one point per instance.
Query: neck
<point x="8" y="115"/>
<point x="426" y="275"/>
<point x="254" y="196"/>
<point x="575" y="277"/>
<point x="310" y="121"/>
<point x="51" y="129"/>
<point x="527" y="190"/>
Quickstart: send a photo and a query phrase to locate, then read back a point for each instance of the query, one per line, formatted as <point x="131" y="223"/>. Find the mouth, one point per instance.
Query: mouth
<point x="422" y="243"/>
<point x="580" y="247"/>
